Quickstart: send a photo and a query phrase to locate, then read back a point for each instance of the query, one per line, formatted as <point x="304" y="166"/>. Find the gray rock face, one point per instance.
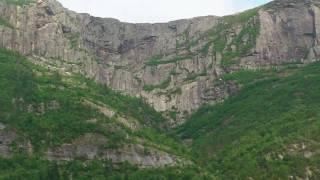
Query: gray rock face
<point x="289" y="32"/>
<point x="90" y="146"/>
<point x="174" y="65"/>
<point x="6" y="138"/>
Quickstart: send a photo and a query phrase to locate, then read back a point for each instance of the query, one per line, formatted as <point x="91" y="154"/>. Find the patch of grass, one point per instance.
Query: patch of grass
<point x="242" y="17"/>
<point x="19" y="2"/>
<point x="244" y="41"/>
<point x="162" y="85"/>
<point x="245" y="77"/>
<point x="158" y="60"/>
<point x="176" y="91"/>
<point x="5" y="23"/>
<point x="194" y="76"/>
<point x="155" y="60"/>
<point x="163" y="141"/>
<point x="74" y="40"/>
<point x="173" y="114"/>
<point x="205" y="49"/>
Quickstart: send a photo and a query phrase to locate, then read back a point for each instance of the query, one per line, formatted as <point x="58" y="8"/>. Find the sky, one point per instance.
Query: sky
<point x="152" y="11"/>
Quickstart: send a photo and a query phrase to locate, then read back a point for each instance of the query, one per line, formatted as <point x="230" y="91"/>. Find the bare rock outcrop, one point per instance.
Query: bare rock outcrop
<point x="6" y="139"/>
<point x="91" y="146"/>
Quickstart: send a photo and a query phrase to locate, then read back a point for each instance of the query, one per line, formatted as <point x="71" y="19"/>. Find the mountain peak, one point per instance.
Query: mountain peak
<point x="277" y="4"/>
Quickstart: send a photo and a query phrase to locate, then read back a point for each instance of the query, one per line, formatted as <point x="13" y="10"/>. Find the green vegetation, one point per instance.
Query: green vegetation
<point x="48" y="109"/>
<point x="240" y="45"/>
<point x="5" y="23"/>
<point x="162" y="85"/>
<point x="27" y="99"/>
<point x="176" y="91"/>
<point x="22" y="167"/>
<point x="173" y="114"/>
<point x="270" y="129"/>
<point x="242" y="17"/>
<point x="193" y="76"/>
<point x="256" y="133"/>
<point x="19" y="2"/>
<point x="185" y="40"/>
<point x="253" y="133"/>
<point x="163" y="142"/>
<point x="266" y="131"/>
<point x="244" y="42"/>
<point x="216" y="40"/>
<point x="74" y="40"/>
<point x="158" y="60"/>
<point x="249" y="76"/>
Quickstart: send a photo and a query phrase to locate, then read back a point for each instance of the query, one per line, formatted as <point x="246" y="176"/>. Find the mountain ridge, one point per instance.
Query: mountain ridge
<point x="171" y="66"/>
<point x="234" y="97"/>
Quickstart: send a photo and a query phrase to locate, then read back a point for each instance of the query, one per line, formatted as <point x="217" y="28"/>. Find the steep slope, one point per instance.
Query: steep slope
<point x="171" y="65"/>
<point x="270" y="130"/>
<point x="63" y="117"/>
<point x="107" y="50"/>
<point x="255" y="68"/>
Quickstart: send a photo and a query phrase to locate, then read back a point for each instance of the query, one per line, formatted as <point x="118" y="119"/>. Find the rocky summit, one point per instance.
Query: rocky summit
<point x="95" y="98"/>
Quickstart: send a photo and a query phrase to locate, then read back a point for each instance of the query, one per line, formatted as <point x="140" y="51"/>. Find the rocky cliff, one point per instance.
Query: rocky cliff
<point x="176" y="66"/>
